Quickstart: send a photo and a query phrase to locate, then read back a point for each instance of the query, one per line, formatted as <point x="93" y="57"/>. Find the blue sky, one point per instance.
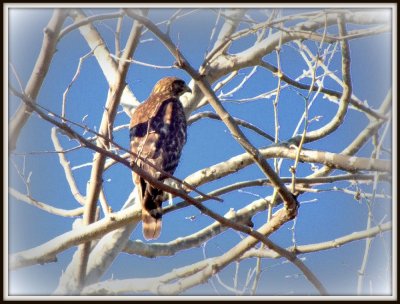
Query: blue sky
<point x="333" y="214"/>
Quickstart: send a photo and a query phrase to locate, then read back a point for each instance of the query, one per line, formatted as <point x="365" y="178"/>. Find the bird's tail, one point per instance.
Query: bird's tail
<point x="151" y="223"/>
<point x="151" y="212"/>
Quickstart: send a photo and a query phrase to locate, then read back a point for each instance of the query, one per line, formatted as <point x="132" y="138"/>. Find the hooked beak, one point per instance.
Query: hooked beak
<point x="187" y="90"/>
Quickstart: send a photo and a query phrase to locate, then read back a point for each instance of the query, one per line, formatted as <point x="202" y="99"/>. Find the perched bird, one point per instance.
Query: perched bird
<point x="157" y="134"/>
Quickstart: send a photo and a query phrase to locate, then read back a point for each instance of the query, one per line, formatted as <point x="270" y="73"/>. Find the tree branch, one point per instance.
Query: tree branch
<point x="38" y="75"/>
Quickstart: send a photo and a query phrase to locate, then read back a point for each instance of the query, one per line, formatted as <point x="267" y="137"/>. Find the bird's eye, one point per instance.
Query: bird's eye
<point x="178" y="85"/>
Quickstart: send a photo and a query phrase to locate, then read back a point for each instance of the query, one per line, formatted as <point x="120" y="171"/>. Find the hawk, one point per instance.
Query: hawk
<point x="157" y="134"/>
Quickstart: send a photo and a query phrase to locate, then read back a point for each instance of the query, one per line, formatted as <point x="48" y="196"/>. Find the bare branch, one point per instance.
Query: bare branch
<point x="106" y="249"/>
<point x="338" y="161"/>
<point x="38" y="75"/>
<point x="333" y="244"/>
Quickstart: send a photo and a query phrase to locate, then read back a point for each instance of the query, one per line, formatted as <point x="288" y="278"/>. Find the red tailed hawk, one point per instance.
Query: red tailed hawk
<point x="157" y="133"/>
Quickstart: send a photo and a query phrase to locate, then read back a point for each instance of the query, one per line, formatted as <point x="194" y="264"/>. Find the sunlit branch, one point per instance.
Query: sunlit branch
<point x="337" y="161"/>
<point x="14" y="71"/>
<point x="239" y="34"/>
<point x="337" y="120"/>
<point x="151" y="285"/>
<point x="234" y="253"/>
<point x="117" y="37"/>
<point x="232" y="19"/>
<point x="370" y="205"/>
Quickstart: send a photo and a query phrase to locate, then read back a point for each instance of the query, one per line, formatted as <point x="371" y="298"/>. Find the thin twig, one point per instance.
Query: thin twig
<point x="211" y="115"/>
<point x="143" y="63"/>
<point x="67" y="169"/>
<point x="21" y="87"/>
<point x="89" y="20"/>
<point x="103" y="202"/>
<point x="43" y="206"/>
<point x="78" y="70"/>
<point x="118" y="36"/>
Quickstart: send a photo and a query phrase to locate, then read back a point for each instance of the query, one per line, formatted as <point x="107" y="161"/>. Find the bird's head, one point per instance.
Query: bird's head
<point x="171" y="86"/>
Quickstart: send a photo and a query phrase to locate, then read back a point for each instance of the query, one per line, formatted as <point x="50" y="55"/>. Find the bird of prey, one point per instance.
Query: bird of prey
<point x="157" y="134"/>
